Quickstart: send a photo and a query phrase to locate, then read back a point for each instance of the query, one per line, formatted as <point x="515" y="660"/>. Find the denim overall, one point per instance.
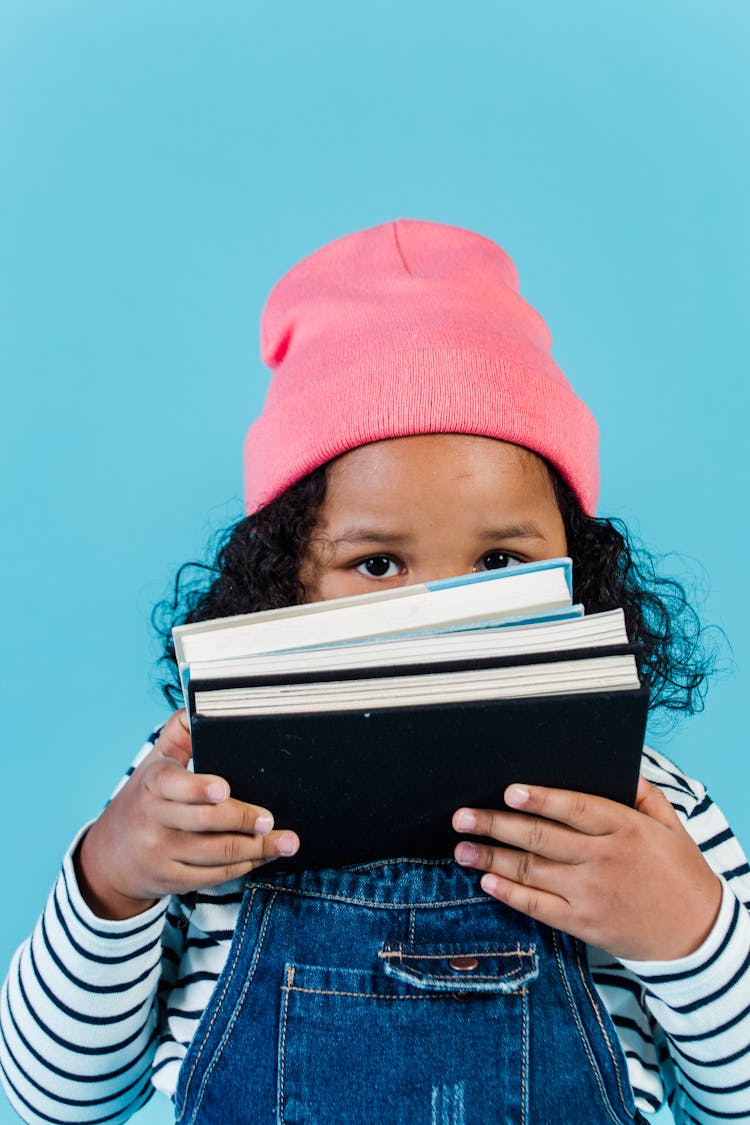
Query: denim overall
<point x="399" y="993"/>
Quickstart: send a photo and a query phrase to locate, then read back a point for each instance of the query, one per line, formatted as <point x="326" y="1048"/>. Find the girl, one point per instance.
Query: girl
<point x="592" y="962"/>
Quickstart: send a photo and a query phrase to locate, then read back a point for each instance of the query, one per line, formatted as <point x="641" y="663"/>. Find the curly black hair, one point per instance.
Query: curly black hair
<point x="258" y="562"/>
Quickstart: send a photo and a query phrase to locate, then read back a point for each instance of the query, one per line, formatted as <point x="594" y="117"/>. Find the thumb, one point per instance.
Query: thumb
<point x="174" y="740"/>
<point x="651" y="802"/>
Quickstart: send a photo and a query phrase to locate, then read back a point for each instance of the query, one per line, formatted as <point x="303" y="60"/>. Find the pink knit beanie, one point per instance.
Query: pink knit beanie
<point x="409" y="328"/>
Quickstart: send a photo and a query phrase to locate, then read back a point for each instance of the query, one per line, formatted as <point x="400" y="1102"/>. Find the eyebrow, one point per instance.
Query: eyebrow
<point x="524" y="530"/>
<point x="370" y="535"/>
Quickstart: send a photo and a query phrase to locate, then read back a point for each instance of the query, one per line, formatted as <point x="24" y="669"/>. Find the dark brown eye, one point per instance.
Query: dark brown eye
<point x="497" y="560"/>
<point x="377" y="566"/>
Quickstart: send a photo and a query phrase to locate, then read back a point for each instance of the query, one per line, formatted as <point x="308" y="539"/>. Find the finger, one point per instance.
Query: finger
<point x="174" y="740"/>
<point x="169" y="780"/>
<point x="596" y="816"/>
<point x="226" y="849"/>
<point x="545" y="907"/>
<point x="520" y="867"/>
<point x="651" y="802"/>
<point x="189" y="878"/>
<point x="532" y="833"/>
<point x="226" y="816"/>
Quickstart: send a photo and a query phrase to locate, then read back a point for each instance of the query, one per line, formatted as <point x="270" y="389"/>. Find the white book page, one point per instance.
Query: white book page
<point x="530" y="593"/>
<point x="562" y="677"/>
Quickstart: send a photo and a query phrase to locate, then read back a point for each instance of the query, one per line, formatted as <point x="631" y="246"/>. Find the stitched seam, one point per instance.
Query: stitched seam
<point x="365" y="995"/>
<point x="399" y="953"/>
<point x="286" y="990"/>
<point x="581" y="1032"/>
<point x="525" y="1059"/>
<point x="399" y="250"/>
<point x="239" y="1004"/>
<point x="599" y="1020"/>
<point x="371" y="902"/>
<point x="355" y="868"/>
<point x="412" y="925"/>
<point x="220" y="1001"/>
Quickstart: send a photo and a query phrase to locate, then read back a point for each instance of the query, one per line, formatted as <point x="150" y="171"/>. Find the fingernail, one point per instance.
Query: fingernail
<point x="264" y="823"/>
<point x="466" y="854"/>
<point x="489" y="883"/>
<point x="217" y="791"/>
<point x="465" y="821"/>
<point x="287" y="845"/>
<point x="516" y="795"/>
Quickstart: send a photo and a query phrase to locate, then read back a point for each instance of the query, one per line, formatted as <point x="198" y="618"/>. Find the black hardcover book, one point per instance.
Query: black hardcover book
<point x="361" y="785"/>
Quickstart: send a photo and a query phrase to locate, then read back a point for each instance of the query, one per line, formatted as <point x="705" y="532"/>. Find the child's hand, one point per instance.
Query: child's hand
<point x="631" y="881"/>
<point x="168" y="831"/>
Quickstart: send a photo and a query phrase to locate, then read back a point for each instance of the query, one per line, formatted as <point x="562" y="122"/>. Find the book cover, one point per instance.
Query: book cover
<point x="362" y="785"/>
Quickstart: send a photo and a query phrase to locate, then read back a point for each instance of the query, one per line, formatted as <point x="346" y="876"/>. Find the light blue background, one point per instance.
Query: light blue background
<point x="163" y="164"/>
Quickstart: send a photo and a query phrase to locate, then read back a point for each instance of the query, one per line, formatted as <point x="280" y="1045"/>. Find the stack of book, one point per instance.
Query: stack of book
<point x="364" y="723"/>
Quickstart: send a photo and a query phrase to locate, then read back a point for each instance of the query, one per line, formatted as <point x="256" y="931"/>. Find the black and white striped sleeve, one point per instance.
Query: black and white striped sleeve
<point x="702" y="1002"/>
<point x="79" y="1011"/>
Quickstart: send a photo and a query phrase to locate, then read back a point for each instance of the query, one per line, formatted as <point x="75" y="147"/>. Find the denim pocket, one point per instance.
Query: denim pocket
<point x="473" y="968"/>
<point x="425" y="1035"/>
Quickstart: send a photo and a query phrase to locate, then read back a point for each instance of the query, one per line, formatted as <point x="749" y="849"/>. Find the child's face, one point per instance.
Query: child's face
<point x="433" y="506"/>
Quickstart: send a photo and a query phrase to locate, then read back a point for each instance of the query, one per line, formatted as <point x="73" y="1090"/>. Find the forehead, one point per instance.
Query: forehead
<point x="459" y="468"/>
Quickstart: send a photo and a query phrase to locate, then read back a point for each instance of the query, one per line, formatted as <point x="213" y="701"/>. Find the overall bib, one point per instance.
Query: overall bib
<point x="399" y="993"/>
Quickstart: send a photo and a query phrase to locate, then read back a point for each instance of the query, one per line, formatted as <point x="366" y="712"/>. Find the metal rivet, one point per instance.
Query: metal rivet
<point x="463" y="964"/>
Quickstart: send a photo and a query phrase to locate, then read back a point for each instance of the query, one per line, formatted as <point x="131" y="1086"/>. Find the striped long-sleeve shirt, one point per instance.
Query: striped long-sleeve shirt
<point x="97" y="1014"/>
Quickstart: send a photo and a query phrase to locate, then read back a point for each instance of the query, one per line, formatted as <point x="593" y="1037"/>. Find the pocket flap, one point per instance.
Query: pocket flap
<point x="469" y="968"/>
